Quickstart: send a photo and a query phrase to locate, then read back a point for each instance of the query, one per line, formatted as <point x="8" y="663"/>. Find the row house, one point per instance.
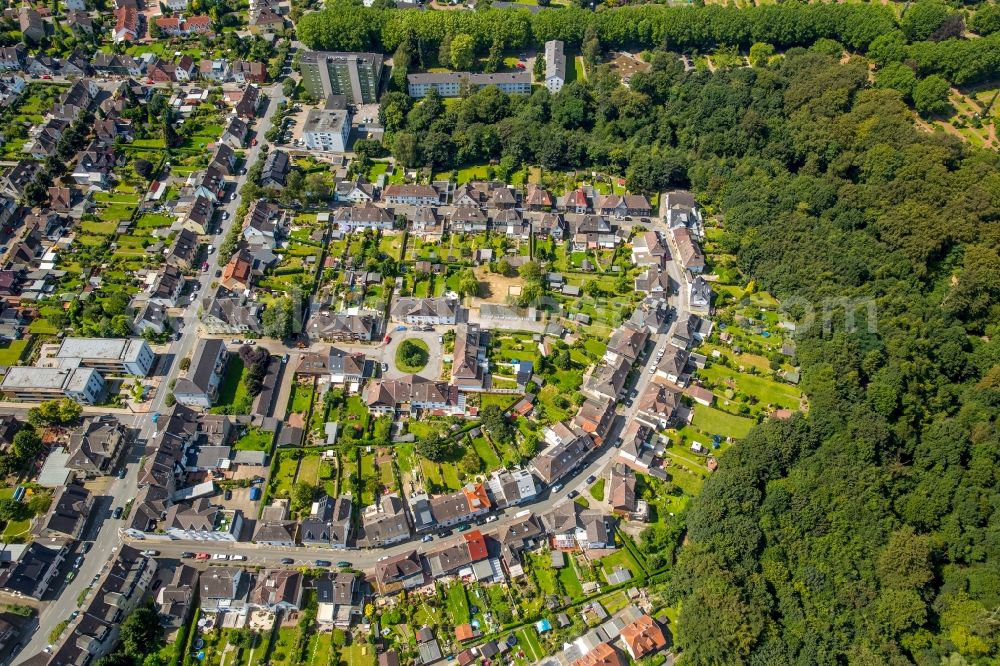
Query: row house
<point x="624" y="205"/>
<point x="180" y="25"/>
<point x="460" y="507"/>
<point x="595" y="417"/>
<point x="425" y="311"/>
<point x="342" y="327"/>
<point x="565" y="451"/>
<point x="410" y="394"/>
<point x="468" y="219"/>
<point x="658" y="405"/>
<point x="411" y="195"/>
<point x="365" y="216"/>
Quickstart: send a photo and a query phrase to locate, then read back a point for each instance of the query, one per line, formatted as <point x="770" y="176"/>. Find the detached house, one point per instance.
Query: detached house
<point x="126" y="24"/>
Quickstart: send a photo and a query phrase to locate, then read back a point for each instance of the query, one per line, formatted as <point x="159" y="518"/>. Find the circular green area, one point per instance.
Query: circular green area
<point x="412" y="355"/>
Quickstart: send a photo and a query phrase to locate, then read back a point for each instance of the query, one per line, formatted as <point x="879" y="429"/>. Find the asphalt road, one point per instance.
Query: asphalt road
<point x="103" y="530"/>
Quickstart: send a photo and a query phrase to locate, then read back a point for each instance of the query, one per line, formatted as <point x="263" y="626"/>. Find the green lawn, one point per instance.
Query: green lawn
<point x="620" y="558"/>
<point x="528" y="639"/>
<point x="597" y="490"/>
<point x="458" y="603"/>
<point x="570" y="580"/>
<point x="485" y="452"/>
<point x="233" y="396"/>
<point x="356" y="654"/>
<point x="11" y="351"/>
<point x="767" y="391"/>
<point x="411" y="347"/>
<point x="301" y="398"/>
<point x="284" y="476"/>
<point x="309" y="469"/>
<point x="255" y="439"/>
<point x="717" y="422"/>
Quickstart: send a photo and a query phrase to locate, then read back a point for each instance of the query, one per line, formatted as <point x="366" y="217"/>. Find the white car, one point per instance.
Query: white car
<point x="220" y="556"/>
<point x="239" y="558"/>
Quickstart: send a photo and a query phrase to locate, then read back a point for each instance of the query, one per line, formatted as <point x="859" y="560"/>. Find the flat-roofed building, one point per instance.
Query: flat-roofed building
<point x="354" y="75"/>
<point x="28" y="384"/>
<point x="129" y="356"/>
<point x="451" y="84"/>
<point x="327" y="130"/>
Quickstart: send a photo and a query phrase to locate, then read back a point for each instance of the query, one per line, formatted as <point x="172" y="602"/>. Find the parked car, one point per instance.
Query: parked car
<point x="385" y="367"/>
<point x="220" y="556"/>
<point x="571" y="494"/>
<point x="122" y="472"/>
<point x="187" y="555"/>
<point x="70" y="576"/>
<point x="228" y="495"/>
<point x="202" y="556"/>
<point x="284" y="359"/>
<point x="287" y="560"/>
<point x="388" y="339"/>
<point x="491" y="519"/>
<point x="78" y="561"/>
<point x="324" y="563"/>
<point x="444" y="533"/>
<point x="204" y="267"/>
<point x="344" y="563"/>
<point x="591" y="479"/>
<point x="428" y="538"/>
<point x="239" y="558"/>
<point x="235" y="341"/>
<point x="150" y="553"/>
<point x="117" y="513"/>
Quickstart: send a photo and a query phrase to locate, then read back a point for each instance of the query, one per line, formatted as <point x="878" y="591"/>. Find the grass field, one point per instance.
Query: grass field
<point x="254" y="439"/>
<point x="11" y="351"/>
<point x="485" y="452"/>
<point x="233" y="393"/>
<point x="717" y="422"/>
<point x="309" y="470"/>
<point x="528" y="639"/>
<point x="570" y="579"/>
<point x="458" y="603"/>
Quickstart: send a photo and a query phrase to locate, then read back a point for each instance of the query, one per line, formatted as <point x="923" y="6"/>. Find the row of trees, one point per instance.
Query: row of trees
<point x="349" y="27"/>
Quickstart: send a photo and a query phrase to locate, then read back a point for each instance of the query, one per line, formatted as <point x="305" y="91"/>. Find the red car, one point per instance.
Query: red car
<point x="520" y="65"/>
<point x="46" y="77"/>
<point x="202" y="556"/>
<point x="388" y="339"/>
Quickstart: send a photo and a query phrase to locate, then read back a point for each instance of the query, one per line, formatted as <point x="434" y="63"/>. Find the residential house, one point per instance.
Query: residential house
<point x="658" y="405"/>
<point x="653" y="281"/>
<point x="276" y="168"/>
<point x="126" y="24"/>
<point x="211" y="184"/>
<point x="249" y="72"/>
<point x="276" y="532"/>
<point x="166" y="286"/>
<point x="261" y="226"/>
<point x="467" y="219"/>
<point x="108" y="130"/>
<point x="690" y="329"/>
<point x="621" y="490"/>
<point x="595" y="417"/>
<point x="700" y="295"/>
<point x="425" y="311"/>
<point x="564" y="452"/>
<point x="601" y="655"/>
<point x="225" y="158"/>
<point x="411" y="195"/>
<point x="648" y="250"/>
<point x="195" y="213"/>
<point x="34" y="570"/>
<point x="364" y="216"/>
<point x="404" y="571"/>
<point x="339" y="599"/>
<point x="31" y="24"/>
<point x="627" y="342"/>
<point x="12" y="58"/>
<point x="150" y="316"/>
<point x="555" y="66"/>
<point x="337" y="327"/>
<point x="643" y="637"/>
<point x="247" y="105"/>
<point x="469" y="365"/>
<point x="328" y="524"/>
<point x="689" y="252"/>
<point x="624" y="205"/>
<point x="200" y="387"/>
<point x="96" y="447"/>
<point x="235" y="134"/>
<point x="460" y="507"/>
<point x="214" y="70"/>
<point x="277" y="589"/>
<point x="230" y="312"/>
<point x="183" y="253"/>
<point x="237" y="275"/>
<point x="472" y="548"/>
<point x="200" y="520"/>
<point x="355" y="191"/>
<point x="577" y="201"/>
<point x="608" y="378"/>
<point x="384" y="523"/>
<point x="511" y="488"/>
<point x="224" y="589"/>
<point x="634" y="448"/>
<point x="174" y="599"/>
<point x="95" y="166"/>
<point x="573" y="526"/>
<point x="410" y="394"/>
<point x="67" y="514"/>
<point x="672" y="367"/>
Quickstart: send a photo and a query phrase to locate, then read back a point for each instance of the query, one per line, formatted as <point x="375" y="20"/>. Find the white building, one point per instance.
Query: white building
<point x="327" y="130"/>
<point x="128" y="356"/>
<point x="555" y="66"/>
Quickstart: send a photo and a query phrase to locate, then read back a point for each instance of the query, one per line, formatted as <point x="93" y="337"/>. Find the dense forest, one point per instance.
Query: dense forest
<point x="868" y="530"/>
<point x="930" y="33"/>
